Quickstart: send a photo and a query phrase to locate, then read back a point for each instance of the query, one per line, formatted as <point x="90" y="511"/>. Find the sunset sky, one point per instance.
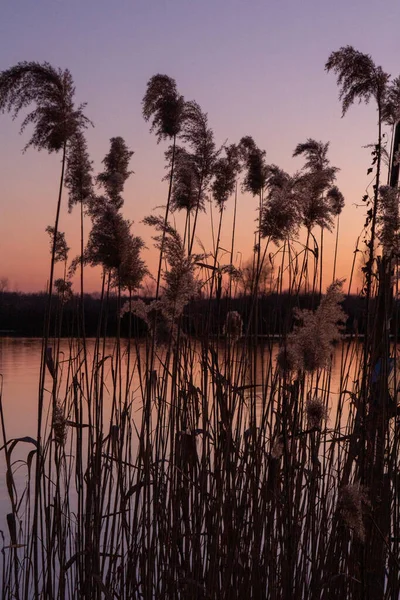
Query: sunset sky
<point x="255" y="66"/>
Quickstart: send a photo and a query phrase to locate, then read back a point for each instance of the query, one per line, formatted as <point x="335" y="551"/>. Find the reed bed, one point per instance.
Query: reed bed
<point x="211" y="465"/>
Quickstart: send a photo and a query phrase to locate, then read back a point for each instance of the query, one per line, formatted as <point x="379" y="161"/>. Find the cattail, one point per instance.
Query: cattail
<point x="352" y="497"/>
<point x="233" y="328"/>
<point x="59" y="424"/>
<point x="316" y="413"/>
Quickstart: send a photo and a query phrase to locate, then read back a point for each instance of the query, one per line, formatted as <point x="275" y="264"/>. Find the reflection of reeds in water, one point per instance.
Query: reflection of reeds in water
<point x="169" y="482"/>
<point x="178" y="466"/>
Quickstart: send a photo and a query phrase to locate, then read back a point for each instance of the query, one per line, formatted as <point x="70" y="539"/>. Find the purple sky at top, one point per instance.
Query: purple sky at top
<point x="256" y="67"/>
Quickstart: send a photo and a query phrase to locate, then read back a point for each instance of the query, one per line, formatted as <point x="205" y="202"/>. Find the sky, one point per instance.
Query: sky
<point x="255" y="66"/>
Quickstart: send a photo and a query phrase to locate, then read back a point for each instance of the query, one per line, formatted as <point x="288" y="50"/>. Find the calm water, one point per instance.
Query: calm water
<point x="19" y="369"/>
<point x="19" y="375"/>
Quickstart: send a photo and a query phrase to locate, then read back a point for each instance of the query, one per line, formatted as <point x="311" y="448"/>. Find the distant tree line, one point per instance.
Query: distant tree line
<point x="23" y="315"/>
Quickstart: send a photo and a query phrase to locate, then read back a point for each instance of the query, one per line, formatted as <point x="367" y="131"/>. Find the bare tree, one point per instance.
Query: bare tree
<point x="248" y="281"/>
<point x="4" y="284"/>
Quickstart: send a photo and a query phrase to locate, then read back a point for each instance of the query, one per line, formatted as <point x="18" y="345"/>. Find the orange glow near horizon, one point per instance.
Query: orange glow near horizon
<point x="247" y="82"/>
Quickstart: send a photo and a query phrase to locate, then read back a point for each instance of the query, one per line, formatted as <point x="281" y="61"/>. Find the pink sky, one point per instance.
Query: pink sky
<point x="256" y="67"/>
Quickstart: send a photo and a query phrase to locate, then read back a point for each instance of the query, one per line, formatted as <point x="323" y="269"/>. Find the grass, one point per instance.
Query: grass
<point x="203" y="470"/>
<point x="204" y="466"/>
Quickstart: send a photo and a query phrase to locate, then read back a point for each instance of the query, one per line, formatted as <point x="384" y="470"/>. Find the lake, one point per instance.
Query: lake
<point x="20" y="369"/>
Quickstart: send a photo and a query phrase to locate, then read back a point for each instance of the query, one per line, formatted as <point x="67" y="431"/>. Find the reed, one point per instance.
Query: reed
<point x="215" y="465"/>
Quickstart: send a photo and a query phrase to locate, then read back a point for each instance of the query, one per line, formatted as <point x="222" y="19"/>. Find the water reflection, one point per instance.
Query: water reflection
<point x="20" y="368"/>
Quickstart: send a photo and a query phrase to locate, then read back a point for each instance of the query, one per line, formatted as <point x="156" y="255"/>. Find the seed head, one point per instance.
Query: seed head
<point x="352" y="497"/>
<point x="64" y="290"/>
<point x="316" y="412"/>
<point x="59" y="424"/>
<point x="277" y="448"/>
<point x="310" y="345"/>
<point x="233" y="328"/>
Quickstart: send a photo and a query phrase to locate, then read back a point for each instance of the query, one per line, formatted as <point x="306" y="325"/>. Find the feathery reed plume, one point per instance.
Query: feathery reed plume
<point x="161" y="315"/>
<point x="388" y="220"/>
<point x="280" y="213"/>
<point x="78" y="174"/>
<point x="164" y="106"/>
<point x="352" y="498"/>
<point x="192" y="169"/>
<point x="255" y="166"/>
<point x="107" y="238"/>
<point x="112" y="245"/>
<point x="311" y="343"/>
<point x="132" y="268"/>
<point x="79" y="182"/>
<point x="233" y="327"/>
<point x="56" y="120"/>
<point x="391" y="109"/>
<point x="180" y="284"/>
<point x="55" y="117"/>
<point x="60" y="244"/>
<point x="115" y="173"/>
<point x="316" y="412"/>
<point x="316" y="178"/>
<point x="336" y="200"/>
<point x="63" y="289"/>
<point x="187" y="193"/>
<point x="316" y="155"/>
<point x="316" y="211"/>
<point x="226" y="170"/>
<point x="277" y="448"/>
<point x="158" y="320"/>
<point x="200" y="138"/>
<point x="59" y="424"/>
<point x="358" y="77"/>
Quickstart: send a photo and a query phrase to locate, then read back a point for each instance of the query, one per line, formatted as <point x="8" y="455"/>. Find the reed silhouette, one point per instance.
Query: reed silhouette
<point x="198" y="454"/>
